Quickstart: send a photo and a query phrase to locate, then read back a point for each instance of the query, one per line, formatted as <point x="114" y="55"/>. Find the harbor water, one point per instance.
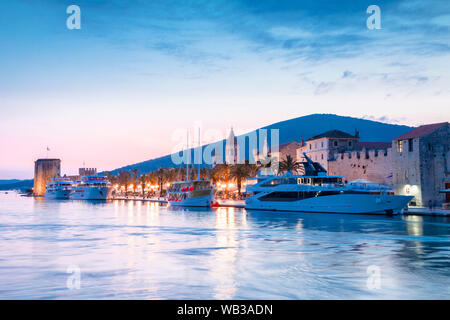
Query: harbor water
<point x="52" y="249"/>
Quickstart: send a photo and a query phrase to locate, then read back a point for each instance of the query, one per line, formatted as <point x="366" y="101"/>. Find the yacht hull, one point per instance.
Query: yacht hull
<point x="342" y="203"/>
<point x="92" y="193"/>
<point x="57" y="194"/>
<point x="201" y="201"/>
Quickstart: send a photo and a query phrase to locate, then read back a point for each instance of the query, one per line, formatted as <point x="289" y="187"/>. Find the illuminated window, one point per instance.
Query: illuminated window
<point x="399" y="146"/>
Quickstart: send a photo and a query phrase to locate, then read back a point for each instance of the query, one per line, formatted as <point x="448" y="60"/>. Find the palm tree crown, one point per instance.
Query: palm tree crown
<point x="240" y="172"/>
<point x="289" y="165"/>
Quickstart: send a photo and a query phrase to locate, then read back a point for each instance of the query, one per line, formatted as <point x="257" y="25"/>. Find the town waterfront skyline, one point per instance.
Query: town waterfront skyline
<point x="210" y="136"/>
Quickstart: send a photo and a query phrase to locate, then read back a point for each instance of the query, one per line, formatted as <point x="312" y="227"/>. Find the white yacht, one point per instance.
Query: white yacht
<point x="317" y="192"/>
<point x="92" y="188"/>
<point x="58" y="188"/>
<point x="194" y="193"/>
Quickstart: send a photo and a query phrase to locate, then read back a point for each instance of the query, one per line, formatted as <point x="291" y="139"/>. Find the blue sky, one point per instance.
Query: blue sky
<point x="114" y="92"/>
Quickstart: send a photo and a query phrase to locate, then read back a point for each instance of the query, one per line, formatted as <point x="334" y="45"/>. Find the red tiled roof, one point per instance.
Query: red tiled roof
<point x="373" y="145"/>
<point x="421" y="131"/>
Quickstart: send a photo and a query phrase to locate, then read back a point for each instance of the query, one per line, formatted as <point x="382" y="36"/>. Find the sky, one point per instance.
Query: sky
<point x="121" y="89"/>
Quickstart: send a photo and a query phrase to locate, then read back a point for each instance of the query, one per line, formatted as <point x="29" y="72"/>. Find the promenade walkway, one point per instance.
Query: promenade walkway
<point x="427" y="211"/>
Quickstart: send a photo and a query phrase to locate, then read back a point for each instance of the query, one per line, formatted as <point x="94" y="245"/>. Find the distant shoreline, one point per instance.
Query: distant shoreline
<point x="21" y="185"/>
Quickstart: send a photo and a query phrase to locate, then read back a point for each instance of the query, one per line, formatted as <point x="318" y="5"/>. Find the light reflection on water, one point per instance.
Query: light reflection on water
<point x="142" y="250"/>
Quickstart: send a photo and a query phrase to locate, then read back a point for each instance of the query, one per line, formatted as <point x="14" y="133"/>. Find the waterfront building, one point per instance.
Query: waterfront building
<point x="323" y="147"/>
<point x="421" y="164"/>
<point x="342" y="154"/>
<point x="44" y="171"/>
<point x="446" y="190"/>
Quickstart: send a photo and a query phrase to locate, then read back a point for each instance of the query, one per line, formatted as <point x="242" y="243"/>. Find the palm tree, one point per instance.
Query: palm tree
<point x="135" y="171"/>
<point x="289" y="165"/>
<point x="254" y="168"/>
<point x="172" y="174"/>
<point x="123" y="177"/>
<point x="240" y="172"/>
<point x="221" y="172"/>
<point x="143" y="179"/>
<point x="161" y="175"/>
<point x="151" y="178"/>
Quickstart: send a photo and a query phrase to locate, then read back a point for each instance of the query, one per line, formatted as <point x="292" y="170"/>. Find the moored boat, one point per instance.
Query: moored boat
<point x="191" y="193"/>
<point x="92" y="188"/>
<point x="58" y="188"/>
<point x="316" y="192"/>
<point x="194" y="193"/>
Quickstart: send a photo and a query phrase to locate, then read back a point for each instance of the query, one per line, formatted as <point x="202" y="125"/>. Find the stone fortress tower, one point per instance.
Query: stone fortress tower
<point x="44" y="171"/>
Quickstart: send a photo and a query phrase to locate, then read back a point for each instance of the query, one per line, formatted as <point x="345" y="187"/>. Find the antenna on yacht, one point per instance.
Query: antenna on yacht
<point x="200" y="150"/>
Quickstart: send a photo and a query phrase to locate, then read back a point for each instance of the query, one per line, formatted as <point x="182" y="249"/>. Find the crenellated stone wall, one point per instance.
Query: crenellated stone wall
<point x="87" y="171"/>
<point x="372" y="165"/>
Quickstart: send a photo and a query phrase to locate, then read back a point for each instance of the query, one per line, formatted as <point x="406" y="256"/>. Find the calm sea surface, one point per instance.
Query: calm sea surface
<point x="135" y="250"/>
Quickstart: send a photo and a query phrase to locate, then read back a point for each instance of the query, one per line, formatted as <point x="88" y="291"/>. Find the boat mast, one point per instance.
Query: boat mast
<point x="201" y="153"/>
<point x="187" y="156"/>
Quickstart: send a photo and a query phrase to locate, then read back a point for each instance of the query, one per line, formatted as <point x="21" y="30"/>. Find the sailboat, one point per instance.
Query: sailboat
<point x="191" y="193"/>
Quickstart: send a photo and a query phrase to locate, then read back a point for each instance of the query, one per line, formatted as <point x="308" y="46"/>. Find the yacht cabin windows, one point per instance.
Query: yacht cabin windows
<point x="316" y="181"/>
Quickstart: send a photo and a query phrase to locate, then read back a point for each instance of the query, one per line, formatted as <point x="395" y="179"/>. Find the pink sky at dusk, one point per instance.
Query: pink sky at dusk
<point x="113" y="94"/>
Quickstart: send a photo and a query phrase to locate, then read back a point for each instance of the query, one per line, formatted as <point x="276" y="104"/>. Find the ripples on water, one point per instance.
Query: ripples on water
<point x="136" y="250"/>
